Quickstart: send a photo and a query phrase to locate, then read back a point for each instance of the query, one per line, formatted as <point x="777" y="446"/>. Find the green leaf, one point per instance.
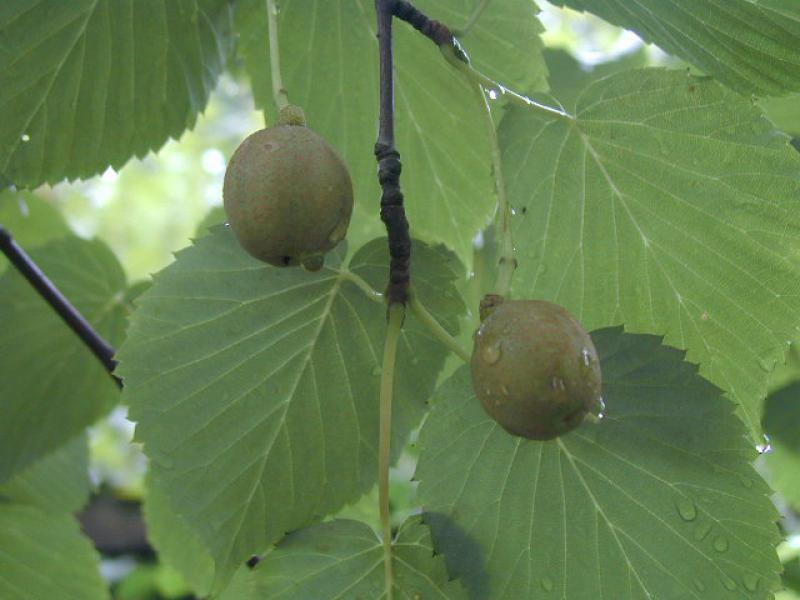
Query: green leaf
<point x="30" y="219"/>
<point x="344" y="559"/>
<point x="670" y="205"/>
<point x="750" y="46"/>
<point x="784" y="112"/>
<point x="329" y="65"/>
<point x="177" y="545"/>
<point x="44" y="555"/>
<point x="657" y="500"/>
<point x="51" y="384"/>
<point x="781" y="423"/>
<point x="57" y="483"/>
<point x="92" y="83"/>
<point x="255" y="388"/>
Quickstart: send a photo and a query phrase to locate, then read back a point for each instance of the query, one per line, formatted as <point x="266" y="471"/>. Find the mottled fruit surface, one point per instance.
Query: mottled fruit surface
<point x="535" y="369"/>
<point x="288" y="196"/>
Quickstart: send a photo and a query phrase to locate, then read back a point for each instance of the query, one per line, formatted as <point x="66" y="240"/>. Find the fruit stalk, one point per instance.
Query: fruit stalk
<point x="396" y="317"/>
<point x="58" y="302"/>
<point x="393" y="213"/>
<point x="278" y="91"/>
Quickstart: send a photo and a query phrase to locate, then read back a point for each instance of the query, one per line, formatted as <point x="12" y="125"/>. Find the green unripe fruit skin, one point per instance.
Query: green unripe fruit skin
<point x="535" y="369"/>
<point x="288" y="196"/>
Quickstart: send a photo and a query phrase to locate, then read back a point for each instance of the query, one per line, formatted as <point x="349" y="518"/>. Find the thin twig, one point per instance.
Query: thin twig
<point x="393" y="213"/>
<point x="456" y="57"/>
<point x="278" y="91"/>
<point x="396" y="317"/>
<point x="368" y="290"/>
<point x="439" y="332"/>
<point x="437" y="32"/>
<point x="58" y="302"/>
<point x="473" y="18"/>
<point x="508" y="262"/>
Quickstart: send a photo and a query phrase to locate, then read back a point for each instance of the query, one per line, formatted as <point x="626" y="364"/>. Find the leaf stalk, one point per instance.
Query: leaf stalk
<point x="278" y="91"/>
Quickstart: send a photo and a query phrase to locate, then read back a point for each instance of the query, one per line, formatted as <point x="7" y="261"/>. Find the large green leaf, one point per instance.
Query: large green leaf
<point x="51" y="385"/>
<point x="255" y="388"/>
<point x="177" y="545"/>
<point x="43" y="555"/>
<point x="670" y="205"/>
<point x="329" y="64"/>
<point x="657" y="500"/>
<point x="57" y="483"/>
<point x="752" y="46"/>
<point x="91" y="83"/>
<point x="344" y="559"/>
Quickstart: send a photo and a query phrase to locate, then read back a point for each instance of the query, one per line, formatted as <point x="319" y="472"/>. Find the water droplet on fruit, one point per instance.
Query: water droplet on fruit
<point x="721" y="544"/>
<point x="491" y="354"/>
<point x="765" y="447"/>
<point x="588" y="359"/>
<point x="702" y="530"/>
<point x="598" y="411"/>
<point x="751" y="582"/>
<point x="686" y="509"/>
<point x="547" y="584"/>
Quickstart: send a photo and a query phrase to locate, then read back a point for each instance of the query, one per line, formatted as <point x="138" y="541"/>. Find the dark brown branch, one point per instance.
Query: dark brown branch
<point x="437" y="32"/>
<point x="393" y="213"/>
<point x="47" y="290"/>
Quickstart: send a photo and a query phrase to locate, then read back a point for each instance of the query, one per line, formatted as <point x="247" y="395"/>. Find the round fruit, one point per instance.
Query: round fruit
<point x="534" y="368"/>
<point x="288" y="196"/>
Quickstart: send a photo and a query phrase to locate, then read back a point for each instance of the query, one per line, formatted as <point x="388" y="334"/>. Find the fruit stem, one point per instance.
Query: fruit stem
<point x="396" y="316"/>
<point x="58" y="302"/>
<point x="473" y="18"/>
<point x="456" y="57"/>
<point x="508" y="262"/>
<point x="368" y="290"/>
<point x="439" y="332"/>
<point x="278" y="91"/>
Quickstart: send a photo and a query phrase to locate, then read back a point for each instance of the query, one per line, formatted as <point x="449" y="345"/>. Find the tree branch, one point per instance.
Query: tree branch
<point x="393" y="213"/>
<point x="68" y="313"/>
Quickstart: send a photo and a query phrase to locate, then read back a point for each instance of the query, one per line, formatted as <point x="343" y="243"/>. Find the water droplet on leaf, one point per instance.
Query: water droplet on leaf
<point x="702" y="530"/>
<point x="765" y="447"/>
<point x="25" y="137"/>
<point x="686" y="509"/>
<point x="376" y="371"/>
<point x="751" y="582"/>
<point x="729" y="583"/>
<point x="547" y="584"/>
<point x="721" y="544"/>
<point x="699" y="585"/>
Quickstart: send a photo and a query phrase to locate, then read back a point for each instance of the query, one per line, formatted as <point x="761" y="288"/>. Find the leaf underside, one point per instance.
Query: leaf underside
<point x="657" y="500"/>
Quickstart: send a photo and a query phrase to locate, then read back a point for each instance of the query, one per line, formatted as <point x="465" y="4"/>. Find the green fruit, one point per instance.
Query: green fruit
<point x="534" y="368"/>
<point x="288" y="196"/>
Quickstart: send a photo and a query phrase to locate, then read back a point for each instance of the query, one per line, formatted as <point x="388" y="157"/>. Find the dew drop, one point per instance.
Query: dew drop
<point x="491" y="354"/>
<point x="729" y="583"/>
<point x="493" y="94"/>
<point x="751" y="582"/>
<point x="599" y="409"/>
<point x="721" y="544"/>
<point x="686" y="509"/>
<point x="504" y="390"/>
<point x="765" y="447"/>
<point x="376" y="371"/>
<point x="25" y="137"/>
<point x="702" y="530"/>
<point x="699" y="585"/>
<point x="547" y="584"/>
<point x="766" y="365"/>
<point x="748" y="483"/>
<point x="227" y="225"/>
<point x="587" y="357"/>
